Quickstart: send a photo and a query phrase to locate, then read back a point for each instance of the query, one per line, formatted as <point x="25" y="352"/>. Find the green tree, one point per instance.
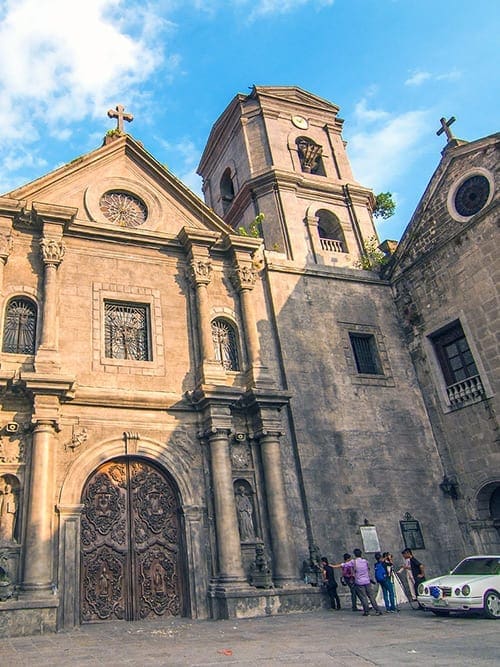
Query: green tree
<point x="384" y="206"/>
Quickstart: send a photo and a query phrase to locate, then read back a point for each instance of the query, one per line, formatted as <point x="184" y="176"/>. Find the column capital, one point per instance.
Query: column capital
<point x="200" y="271"/>
<point x="243" y="277"/>
<point x="52" y="251"/>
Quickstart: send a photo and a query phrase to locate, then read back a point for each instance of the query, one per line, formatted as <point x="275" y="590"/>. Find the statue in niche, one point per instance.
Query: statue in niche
<point x="244" y="509"/>
<point x="8" y="511"/>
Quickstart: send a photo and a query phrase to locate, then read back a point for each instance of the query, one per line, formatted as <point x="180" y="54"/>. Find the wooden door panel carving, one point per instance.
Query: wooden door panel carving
<point x="129" y="543"/>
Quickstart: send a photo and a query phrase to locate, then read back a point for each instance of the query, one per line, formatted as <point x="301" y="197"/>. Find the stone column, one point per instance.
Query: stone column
<point x="243" y="278"/>
<point x="284" y="571"/>
<point x="52" y="255"/>
<point x="210" y="370"/>
<point x="201" y="275"/>
<point x="53" y="219"/>
<point x="226" y="521"/>
<point x="38" y="550"/>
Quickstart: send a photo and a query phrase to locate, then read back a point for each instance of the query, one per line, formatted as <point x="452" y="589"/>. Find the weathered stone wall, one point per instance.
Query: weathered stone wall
<point x="365" y="448"/>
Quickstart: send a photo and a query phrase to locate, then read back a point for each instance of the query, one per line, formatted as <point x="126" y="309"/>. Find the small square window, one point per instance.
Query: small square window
<point x="365" y="352"/>
<point x="127" y="331"/>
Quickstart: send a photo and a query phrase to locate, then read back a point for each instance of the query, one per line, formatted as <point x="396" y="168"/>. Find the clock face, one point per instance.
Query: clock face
<point x="472" y="195"/>
<point x="123" y="209"/>
<point x="300" y="122"/>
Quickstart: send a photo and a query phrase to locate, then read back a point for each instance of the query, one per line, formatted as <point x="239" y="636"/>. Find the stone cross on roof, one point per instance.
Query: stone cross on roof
<point x="445" y="127"/>
<point x="120" y="115"/>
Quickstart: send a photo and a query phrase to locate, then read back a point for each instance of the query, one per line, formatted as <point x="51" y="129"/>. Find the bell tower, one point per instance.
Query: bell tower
<point x="279" y="152"/>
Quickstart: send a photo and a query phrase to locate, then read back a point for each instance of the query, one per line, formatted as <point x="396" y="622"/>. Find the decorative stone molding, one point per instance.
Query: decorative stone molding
<point x="6" y="245"/>
<point x="52" y="251"/>
<point x="78" y="438"/>
<point x="243" y="277"/>
<point x="200" y="272"/>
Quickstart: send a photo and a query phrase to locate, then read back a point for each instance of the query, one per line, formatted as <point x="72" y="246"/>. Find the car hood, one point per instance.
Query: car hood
<point x="454" y="580"/>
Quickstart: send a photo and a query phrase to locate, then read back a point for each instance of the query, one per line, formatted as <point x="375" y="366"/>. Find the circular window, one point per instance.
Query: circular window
<point x="472" y="195"/>
<point x="123" y="209"/>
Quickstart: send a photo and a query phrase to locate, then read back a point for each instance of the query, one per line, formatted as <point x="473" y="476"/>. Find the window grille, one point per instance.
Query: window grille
<point x="127" y="331"/>
<point x="20" y="327"/>
<point x="225" y="347"/>
<point x="453" y="352"/>
<point x="365" y="353"/>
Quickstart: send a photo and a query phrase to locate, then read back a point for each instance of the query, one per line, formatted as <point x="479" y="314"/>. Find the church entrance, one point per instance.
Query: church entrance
<point x="129" y="543"/>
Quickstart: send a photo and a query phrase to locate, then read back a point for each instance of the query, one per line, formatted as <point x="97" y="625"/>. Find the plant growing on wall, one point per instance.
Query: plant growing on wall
<point x="372" y="259"/>
<point x="254" y="228"/>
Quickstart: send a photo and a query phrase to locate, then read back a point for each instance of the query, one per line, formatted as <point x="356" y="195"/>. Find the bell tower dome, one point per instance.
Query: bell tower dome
<point x="279" y="152"/>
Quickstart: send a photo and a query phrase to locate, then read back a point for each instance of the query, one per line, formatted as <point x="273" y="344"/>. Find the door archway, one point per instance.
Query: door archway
<point x="130" y="541"/>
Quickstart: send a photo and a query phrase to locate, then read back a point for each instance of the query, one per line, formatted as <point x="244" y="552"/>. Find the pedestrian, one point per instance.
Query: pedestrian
<point x="330" y="583"/>
<point x="383" y="573"/>
<point x="347" y="578"/>
<point x="363" y="583"/>
<point x="416" y="568"/>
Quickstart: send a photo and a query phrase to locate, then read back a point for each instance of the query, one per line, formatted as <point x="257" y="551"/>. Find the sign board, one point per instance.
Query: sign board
<point x="411" y="532"/>
<point x="370" y="539"/>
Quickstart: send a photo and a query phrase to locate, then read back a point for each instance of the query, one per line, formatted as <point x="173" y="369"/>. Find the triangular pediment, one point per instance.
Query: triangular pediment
<point x="122" y="173"/>
<point x="296" y="97"/>
<point x="435" y="220"/>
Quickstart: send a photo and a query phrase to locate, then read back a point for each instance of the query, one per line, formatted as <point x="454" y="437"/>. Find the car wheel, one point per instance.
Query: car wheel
<point x="492" y="604"/>
<point x="440" y="612"/>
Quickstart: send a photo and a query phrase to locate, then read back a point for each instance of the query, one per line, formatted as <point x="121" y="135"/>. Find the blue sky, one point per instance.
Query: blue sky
<point x="394" y="67"/>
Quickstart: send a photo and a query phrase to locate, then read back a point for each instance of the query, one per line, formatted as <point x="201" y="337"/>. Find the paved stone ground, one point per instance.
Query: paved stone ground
<point x="319" y="638"/>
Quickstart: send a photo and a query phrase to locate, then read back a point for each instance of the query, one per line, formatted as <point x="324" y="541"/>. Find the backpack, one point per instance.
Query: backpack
<point x="380" y="572"/>
<point x="348" y="573"/>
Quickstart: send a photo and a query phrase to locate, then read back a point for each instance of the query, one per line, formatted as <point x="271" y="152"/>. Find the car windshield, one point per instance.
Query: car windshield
<point x="478" y="566"/>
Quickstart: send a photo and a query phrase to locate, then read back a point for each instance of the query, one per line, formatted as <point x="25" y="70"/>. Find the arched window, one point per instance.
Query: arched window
<point x="19" y="330"/>
<point x="330" y="232"/>
<point x="310" y="158"/>
<point x="225" y="346"/>
<point x="226" y="190"/>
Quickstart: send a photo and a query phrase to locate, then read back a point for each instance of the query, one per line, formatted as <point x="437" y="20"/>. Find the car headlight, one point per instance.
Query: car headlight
<point x="421" y="589"/>
<point x="457" y="591"/>
<point x="466" y="590"/>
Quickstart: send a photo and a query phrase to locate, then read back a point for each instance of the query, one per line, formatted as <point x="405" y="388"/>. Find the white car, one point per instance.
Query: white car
<point x="474" y="585"/>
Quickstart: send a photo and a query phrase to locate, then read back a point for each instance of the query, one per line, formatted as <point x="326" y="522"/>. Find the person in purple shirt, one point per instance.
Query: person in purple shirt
<point x="362" y="583"/>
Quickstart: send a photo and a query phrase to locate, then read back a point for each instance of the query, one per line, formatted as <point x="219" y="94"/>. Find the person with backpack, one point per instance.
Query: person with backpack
<point x="383" y="572"/>
<point x="347" y="578"/>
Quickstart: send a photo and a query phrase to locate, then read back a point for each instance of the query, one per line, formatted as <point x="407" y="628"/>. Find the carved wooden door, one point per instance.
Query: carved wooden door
<point x="129" y="543"/>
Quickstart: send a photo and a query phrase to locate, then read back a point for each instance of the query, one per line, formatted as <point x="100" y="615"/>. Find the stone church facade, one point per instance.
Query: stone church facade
<point x="199" y="398"/>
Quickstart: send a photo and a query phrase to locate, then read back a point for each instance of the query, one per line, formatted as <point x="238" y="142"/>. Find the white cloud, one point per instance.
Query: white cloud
<point x="386" y="152"/>
<point x="417" y="78"/>
<point x="365" y="115"/>
<point x="266" y="7"/>
<point x="50" y="69"/>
